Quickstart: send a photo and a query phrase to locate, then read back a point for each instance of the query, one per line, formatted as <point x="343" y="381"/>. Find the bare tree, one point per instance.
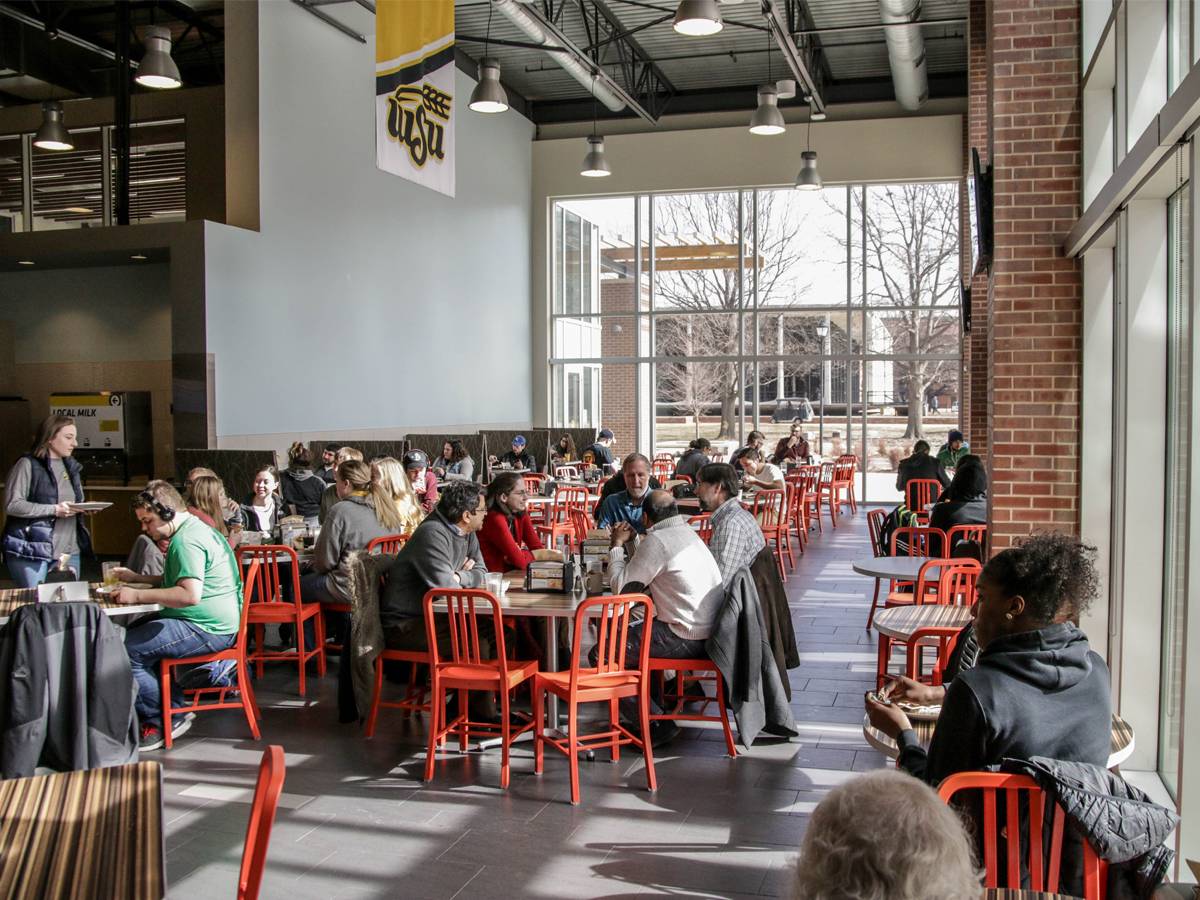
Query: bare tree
<point x="710" y="293"/>
<point x="911" y="267"/>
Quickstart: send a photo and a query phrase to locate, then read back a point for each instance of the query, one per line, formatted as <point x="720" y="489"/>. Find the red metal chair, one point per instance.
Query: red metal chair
<point x="768" y="508"/>
<point x="808" y="479"/>
<point x="688" y="478"/>
<point x="944" y="639"/>
<point x="581" y="523"/>
<point x="919" y="540"/>
<point x="558" y="522"/>
<point x="976" y="533"/>
<point x="875" y="520"/>
<point x="414" y="697"/>
<point x="1041" y="862"/>
<point x="267" y="606"/>
<point x="262" y="817"/>
<point x="956" y="584"/>
<point x="611" y="680"/>
<point x="920" y="494"/>
<point x="236" y="653"/>
<point x="924" y="587"/>
<point x="467" y="669"/>
<point x="661" y="469"/>
<point x="695" y="671"/>
<point x="702" y="522"/>
<point x="793" y="515"/>
<point x="826" y="493"/>
<point x="389" y="543"/>
<point x="844" y="470"/>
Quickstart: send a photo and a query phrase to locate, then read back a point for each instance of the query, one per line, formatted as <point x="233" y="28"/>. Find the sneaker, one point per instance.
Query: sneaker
<point x="151" y="739"/>
<point x="182" y="725"/>
<point x="218" y="674"/>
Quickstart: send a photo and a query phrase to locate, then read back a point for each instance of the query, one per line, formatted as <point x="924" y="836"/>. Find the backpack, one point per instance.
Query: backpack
<point x="900" y="517"/>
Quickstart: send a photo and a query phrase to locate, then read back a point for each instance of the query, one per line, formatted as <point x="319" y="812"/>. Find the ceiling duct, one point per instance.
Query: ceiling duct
<point x="906" y="52"/>
<point x="516" y="13"/>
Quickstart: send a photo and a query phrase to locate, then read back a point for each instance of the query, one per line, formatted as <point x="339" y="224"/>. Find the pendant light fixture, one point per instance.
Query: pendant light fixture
<point x="489" y="95"/>
<point x="809" y="178"/>
<point x="157" y="69"/>
<point x="698" y="18"/>
<point x="595" y="164"/>
<point x="767" y="119"/>
<point x="52" y="133"/>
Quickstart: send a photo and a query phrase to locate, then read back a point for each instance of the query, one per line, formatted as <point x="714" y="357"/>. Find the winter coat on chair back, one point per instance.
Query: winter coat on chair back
<point x="67" y="699"/>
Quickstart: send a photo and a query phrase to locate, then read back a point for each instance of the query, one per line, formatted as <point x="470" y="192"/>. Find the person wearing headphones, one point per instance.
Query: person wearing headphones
<point x="420" y="475"/>
<point x="200" y="593"/>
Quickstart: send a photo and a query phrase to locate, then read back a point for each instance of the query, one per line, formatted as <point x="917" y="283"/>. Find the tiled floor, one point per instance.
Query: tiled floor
<point x="356" y="820"/>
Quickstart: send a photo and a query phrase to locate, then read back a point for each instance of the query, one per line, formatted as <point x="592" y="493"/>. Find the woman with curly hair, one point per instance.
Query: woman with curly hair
<point x="1036" y="689"/>
<point x="885" y="836"/>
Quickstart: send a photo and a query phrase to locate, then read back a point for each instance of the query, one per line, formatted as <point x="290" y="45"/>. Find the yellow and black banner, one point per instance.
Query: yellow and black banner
<point x="414" y="91"/>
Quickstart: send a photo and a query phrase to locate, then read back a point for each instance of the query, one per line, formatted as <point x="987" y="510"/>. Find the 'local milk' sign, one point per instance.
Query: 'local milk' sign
<point x="99" y="418"/>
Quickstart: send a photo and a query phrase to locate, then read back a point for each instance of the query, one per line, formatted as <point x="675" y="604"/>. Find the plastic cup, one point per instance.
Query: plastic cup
<point x="494" y="583"/>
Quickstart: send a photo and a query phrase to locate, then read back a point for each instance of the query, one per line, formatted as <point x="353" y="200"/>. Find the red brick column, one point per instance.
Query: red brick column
<point x="1036" y="321"/>
<point x="618" y="385"/>
<point x="975" y="345"/>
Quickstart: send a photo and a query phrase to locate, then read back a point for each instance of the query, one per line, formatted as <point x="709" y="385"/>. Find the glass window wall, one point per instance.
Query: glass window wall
<point x="757" y="307"/>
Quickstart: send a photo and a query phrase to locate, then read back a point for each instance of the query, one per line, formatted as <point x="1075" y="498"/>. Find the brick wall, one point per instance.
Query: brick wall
<point x="1036" y="294"/>
<point x="975" y="344"/>
<point x="618" y="381"/>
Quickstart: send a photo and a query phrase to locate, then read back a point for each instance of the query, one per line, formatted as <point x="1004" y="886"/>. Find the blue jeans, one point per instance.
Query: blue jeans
<point x="664" y="644"/>
<point x="29" y="573"/>
<point x="314" y="588"/>
<point x="159" y="639"/>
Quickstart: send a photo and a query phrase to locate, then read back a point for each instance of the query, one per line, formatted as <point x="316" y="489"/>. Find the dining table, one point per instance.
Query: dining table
<point x="894" y="568"/>
<point x="88" y="833"/>
<point x="12" y="599"/>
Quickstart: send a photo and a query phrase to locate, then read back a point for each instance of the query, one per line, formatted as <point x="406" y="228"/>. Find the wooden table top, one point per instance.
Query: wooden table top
<point x="12" y="599"/>
<point x="1121" y="749"/>
<point x="901" y="622"/>
<point x="93" y="833"/>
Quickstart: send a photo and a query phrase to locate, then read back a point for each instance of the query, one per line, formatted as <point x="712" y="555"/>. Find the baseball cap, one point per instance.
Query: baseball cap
<point x="605" y="435"/>
<point x="519" y="440"/>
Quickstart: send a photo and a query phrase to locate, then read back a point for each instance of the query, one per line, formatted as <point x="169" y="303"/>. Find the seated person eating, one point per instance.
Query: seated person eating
<point x="672" y="565"/>
<point x="1036" y="689"/>
<point x="518" y="457"/>
<point x="626" y="505"/>
<point x="507" y="539"/>
<point x="200" y="594"/>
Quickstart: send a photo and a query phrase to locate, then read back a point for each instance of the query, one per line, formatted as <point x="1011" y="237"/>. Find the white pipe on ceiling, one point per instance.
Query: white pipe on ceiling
<point x="906" y="52"/>
<point x="561" y="55"/>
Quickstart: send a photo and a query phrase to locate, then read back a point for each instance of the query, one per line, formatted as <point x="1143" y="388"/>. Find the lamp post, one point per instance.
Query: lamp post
<point x="822" y="336"/>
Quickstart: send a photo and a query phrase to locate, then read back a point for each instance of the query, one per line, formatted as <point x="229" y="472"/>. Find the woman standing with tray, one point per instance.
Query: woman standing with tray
<point x="42" y="521"/>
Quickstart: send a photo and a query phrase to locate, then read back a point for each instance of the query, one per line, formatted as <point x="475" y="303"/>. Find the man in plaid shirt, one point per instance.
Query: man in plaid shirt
<point x="737" y="537"/>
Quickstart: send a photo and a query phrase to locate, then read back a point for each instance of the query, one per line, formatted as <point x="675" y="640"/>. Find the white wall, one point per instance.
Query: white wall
<point x="109" y="314"/>
<point x="367" y="305"/>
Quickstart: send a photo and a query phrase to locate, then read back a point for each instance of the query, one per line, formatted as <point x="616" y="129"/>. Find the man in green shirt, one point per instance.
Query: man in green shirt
<point x="200" y="594"/>
<point x="953" y="450"/>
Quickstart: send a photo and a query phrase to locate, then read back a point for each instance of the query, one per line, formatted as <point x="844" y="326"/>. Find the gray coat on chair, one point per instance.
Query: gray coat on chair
<point x="740" y="648"/>
<point x="66" y="701"/>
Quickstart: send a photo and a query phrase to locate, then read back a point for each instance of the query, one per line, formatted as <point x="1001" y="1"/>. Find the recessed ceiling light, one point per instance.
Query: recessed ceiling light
<point x="139" y="256"/>
<point x="24" y="262"/>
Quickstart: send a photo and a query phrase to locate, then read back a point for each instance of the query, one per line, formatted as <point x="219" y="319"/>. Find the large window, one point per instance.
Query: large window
<point x="1178" y="463"/>
<point x="714" y="313"/>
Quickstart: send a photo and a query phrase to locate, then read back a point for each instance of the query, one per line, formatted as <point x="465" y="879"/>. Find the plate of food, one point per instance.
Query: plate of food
<point x="90" y="506"/>
<point x="929" y="712"/>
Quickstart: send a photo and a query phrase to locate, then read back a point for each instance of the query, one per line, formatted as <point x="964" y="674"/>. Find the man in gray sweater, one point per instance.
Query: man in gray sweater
<point x="442" y="553"/>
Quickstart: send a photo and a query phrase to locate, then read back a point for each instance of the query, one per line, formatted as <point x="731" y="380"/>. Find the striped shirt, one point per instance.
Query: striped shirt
<point x="736" y="539"/>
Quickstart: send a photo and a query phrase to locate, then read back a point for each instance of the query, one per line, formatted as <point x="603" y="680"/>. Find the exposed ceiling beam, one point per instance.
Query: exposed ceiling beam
<point x="780" y="30"/>
<point x="29" y="50"/>
<point x="330" y="20"/>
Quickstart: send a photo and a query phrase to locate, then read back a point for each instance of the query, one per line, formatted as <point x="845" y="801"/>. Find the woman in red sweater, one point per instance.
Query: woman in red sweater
<point x="507" y="537"/>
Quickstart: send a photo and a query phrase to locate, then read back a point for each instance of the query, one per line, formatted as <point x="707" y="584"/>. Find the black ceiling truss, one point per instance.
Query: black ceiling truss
<point x="610" y="47"/>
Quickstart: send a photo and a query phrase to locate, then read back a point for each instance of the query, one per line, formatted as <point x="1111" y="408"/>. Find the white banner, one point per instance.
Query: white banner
<point x="414" y="91"/>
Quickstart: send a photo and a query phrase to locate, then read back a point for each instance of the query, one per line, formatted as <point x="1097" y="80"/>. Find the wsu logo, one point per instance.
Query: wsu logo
<point x="417" y="118"/>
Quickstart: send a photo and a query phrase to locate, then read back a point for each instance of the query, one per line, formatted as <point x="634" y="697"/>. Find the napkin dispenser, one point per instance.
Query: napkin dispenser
<point x="550" y="575"/>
